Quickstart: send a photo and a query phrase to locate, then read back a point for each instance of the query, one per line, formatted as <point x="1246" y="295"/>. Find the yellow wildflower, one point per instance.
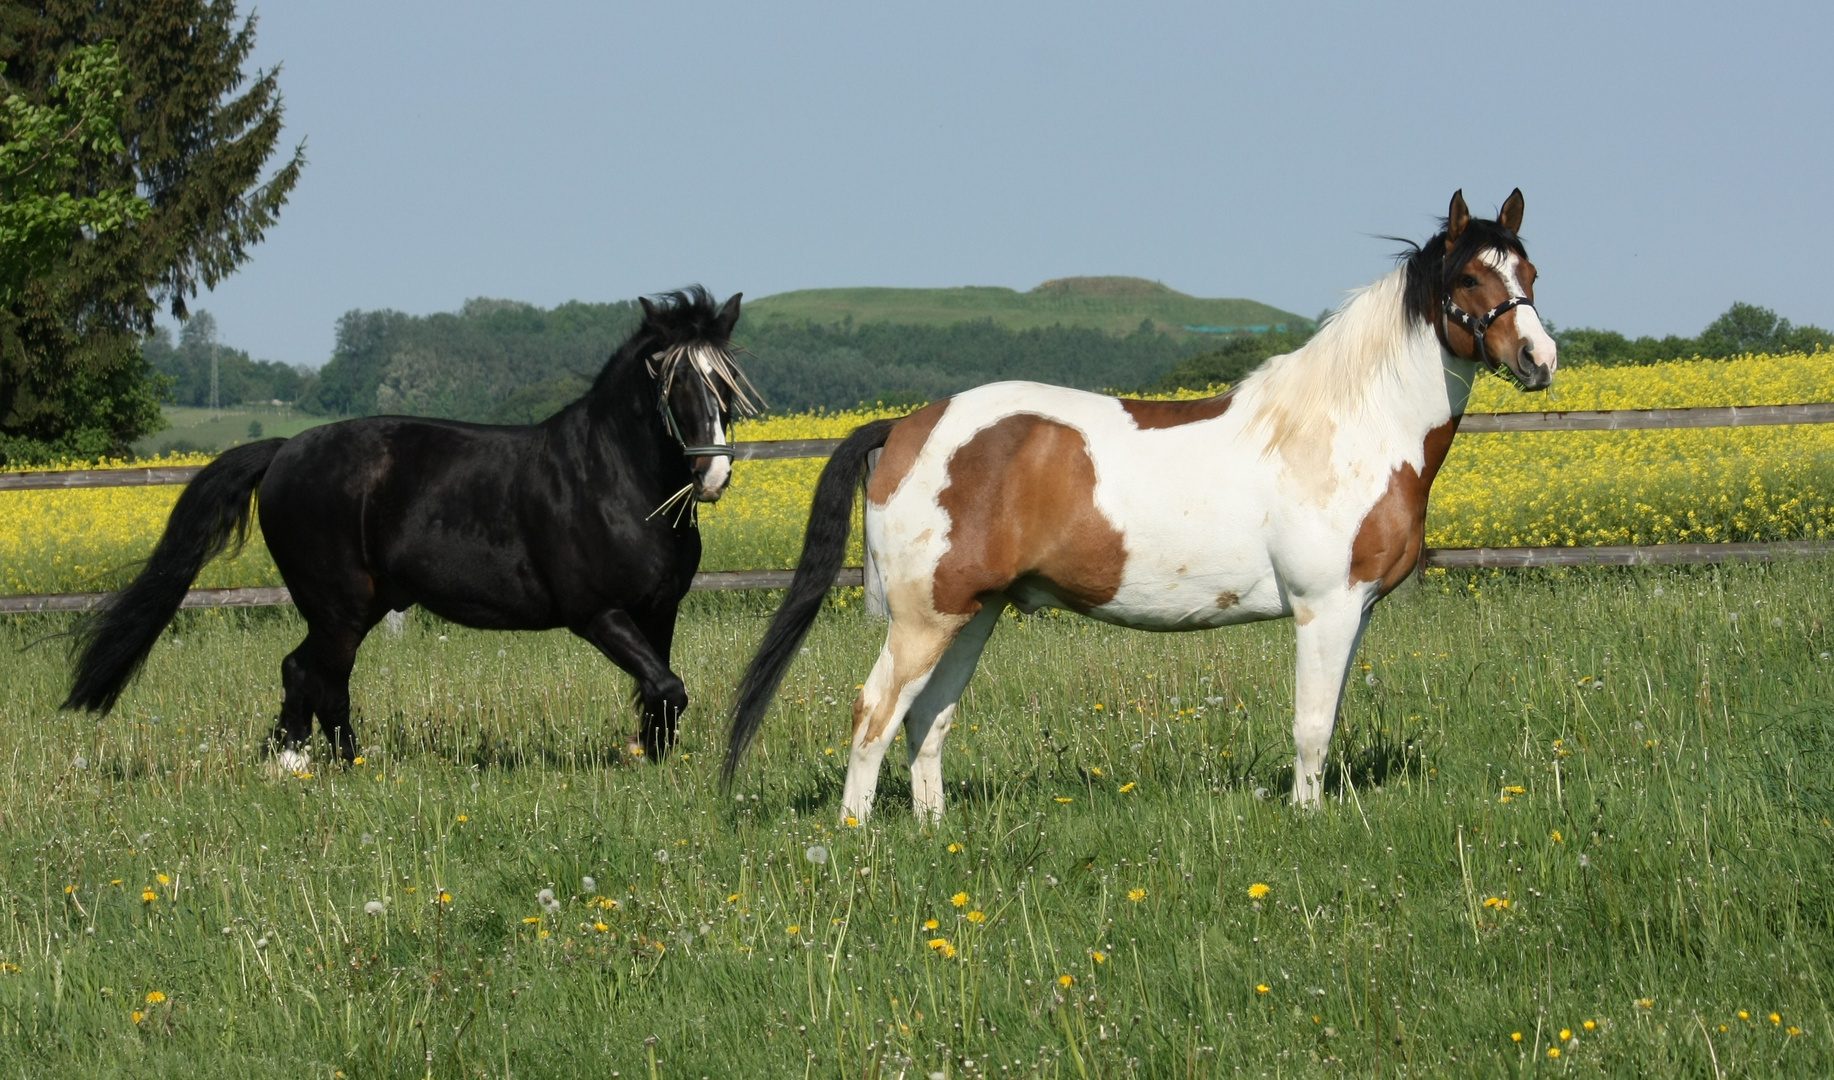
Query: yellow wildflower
<point x="1258" y="890"/>
<point x="154" y="997"/>
<point x="960" y="899"/>
<point x="1136" y="895"/>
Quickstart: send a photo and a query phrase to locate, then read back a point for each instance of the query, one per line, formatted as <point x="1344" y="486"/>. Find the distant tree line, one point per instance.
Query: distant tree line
<point x="1744" y="328"/>
<point x="503" y="362"/>
<point x="186" y="367"/>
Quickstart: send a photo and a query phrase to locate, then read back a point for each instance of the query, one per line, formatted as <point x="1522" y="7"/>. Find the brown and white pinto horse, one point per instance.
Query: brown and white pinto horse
<point x="1301" y="492"/>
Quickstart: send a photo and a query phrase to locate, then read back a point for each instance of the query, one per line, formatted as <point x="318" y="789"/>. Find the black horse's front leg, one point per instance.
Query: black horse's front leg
<point x="623" y="642"/>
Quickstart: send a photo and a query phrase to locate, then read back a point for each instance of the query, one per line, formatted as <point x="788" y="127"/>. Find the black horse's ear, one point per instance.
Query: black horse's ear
<point x="649" y="308"/>
<point x="1457" y="218"/>
<point x="729" y="316"/>
<point x="1510" y="217"/>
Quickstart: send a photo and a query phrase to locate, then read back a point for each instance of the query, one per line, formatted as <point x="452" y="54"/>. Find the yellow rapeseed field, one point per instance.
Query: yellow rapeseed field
<point x="1710" y="484"/>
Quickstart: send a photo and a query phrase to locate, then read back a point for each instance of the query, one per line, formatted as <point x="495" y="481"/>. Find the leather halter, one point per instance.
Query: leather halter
<point x="668" y="418"/>
<point x="1480" y="327"/>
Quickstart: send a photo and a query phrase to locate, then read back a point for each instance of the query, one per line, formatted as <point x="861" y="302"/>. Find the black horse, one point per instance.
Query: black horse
<point x="581" y="521"/>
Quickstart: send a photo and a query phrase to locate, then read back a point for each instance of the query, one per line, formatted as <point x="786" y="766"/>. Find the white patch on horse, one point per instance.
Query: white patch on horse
<point x="1508" y="266"/>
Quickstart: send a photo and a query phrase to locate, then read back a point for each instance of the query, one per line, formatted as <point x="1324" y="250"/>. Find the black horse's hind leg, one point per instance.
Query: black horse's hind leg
<point x="316" y="677"/>
<point x="626" y="644"/>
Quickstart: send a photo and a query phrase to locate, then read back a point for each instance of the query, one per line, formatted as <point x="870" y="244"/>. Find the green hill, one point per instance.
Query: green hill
<point x="1114" y="304"/>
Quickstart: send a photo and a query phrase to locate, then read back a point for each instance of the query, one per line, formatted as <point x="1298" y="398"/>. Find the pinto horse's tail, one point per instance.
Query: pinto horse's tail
<point x="824" y="545"/>
<point x="214" y="508"/>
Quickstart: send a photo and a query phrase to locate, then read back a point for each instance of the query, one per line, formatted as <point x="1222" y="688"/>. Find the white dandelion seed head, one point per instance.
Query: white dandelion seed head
<point x="1658" y="591"/>
<point x="261" y="942"/>
<point x="1261" y="793"/>
<point x="374" y="907"/>
<point x="1776" y="620"/>
<point x="816" y="854"/>
<point x="1369" y="679"/>
<point x="588" y="884"/>
<point x="366" y="839"/>
<point x="662" y="855"/>
<point x="81" y="762"/>
<point x="1584" y="862"/>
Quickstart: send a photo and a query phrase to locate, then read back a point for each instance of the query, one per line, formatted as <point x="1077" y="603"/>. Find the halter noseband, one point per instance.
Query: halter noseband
<point x="668" y="418"/>
<point x="1480" y="327"/>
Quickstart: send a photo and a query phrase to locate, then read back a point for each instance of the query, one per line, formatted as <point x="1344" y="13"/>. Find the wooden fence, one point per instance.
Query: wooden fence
<point x="1473" y="423"/>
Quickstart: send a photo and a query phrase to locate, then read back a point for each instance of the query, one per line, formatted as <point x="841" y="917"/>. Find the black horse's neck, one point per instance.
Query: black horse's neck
<point x="617" y="426"/>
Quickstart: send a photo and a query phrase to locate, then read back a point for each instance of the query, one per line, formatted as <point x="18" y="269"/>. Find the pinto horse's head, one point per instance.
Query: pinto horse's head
<point x="699" y="385"/>
<point x="1474" y="283"/>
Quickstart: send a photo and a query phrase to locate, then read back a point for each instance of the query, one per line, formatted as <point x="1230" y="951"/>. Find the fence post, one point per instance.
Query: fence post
<point x="875" y="585"/>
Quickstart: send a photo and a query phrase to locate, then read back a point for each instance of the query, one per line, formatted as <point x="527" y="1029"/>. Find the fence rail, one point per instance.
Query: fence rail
<point x="1472" y="424"/>
<point x="854" y="576"/>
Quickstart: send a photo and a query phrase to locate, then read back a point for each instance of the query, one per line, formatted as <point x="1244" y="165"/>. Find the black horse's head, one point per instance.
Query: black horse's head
<point x="698" y="384"/>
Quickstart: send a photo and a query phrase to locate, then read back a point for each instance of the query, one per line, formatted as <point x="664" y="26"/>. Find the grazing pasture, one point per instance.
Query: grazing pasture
<point x="1587" y="809"/>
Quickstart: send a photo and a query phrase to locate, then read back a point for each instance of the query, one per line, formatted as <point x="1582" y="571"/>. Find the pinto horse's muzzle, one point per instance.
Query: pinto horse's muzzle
<point x="1525" y="368"/>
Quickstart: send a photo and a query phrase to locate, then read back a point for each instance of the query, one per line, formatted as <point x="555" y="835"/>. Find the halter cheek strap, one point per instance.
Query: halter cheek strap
<point x="1480" y="327"/>
<point x="668" y="417"/>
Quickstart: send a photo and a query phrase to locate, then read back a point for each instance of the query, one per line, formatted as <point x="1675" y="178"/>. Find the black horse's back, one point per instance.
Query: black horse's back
<point x="213" y="510"/>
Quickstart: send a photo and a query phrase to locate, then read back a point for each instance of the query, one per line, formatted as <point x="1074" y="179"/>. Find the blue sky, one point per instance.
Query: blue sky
<point x="1675" y="157"/>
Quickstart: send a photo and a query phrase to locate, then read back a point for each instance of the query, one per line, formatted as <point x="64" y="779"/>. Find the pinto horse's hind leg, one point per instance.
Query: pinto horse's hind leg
<point x="1327" y="634"/>
<point x="913" y="650"/>
<point x="932" y="714"/>
<point x="665" y="698"/>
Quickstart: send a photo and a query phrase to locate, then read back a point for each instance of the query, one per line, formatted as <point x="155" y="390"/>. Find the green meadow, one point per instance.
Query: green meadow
<point x="190" y="429"/>
<point x="1579" y="824"/>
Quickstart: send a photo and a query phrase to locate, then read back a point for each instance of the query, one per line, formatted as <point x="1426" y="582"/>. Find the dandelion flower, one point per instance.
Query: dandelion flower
<point x="954" y="848"/>
<point x="792" y="929"/>
<point x="960" y="899"/>
<point x="1258" y="890"/>
<point x="1515" y="1036"/>
<point x="1262" y="988"/>
<point x="977" y="917"/>
<point x="1590" y="1025"/>
<point x="1136" y="895"/>
<point x="137" y="1016"/>
<point x="733" y="899"/>
<point x="600" y="927"/>
<point x="1066" y="980"/>
<point x="1775" y="1019"/>
<point x="1743" y="1015"/>
<point x="1565" y="1034"/>
<point x="1063" y="799"/>
<point x="1792" y="1030"/>
<point x="464" y="817"/>
<point x="1127" y="787"/>
<point x="1553" y="1051"/>
<point x="1646" y="1003"/>
<point x="154" y="997"/>
<point x="531" y="920"/>
<point x="1557" y="837"/>
<point x="930" y="924"/>
<point x="148" y="896"/>
<point x="445" y="897"/>
<point x="852" y="822"/>
<point x="164" y="880"/>
<point x="1099" y="956"/>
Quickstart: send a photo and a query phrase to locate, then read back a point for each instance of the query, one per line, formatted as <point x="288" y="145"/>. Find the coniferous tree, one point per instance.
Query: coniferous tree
<point x="197" y="132"/>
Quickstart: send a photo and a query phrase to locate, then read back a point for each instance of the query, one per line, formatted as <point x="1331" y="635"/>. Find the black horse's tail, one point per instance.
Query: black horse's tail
<point x="214" y="508"/>
<point x="823" y="548"/>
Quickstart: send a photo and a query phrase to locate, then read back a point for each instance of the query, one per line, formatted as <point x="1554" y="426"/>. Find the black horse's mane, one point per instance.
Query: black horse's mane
<point x="675" y="318"/>
<point x="1430" y="267"/>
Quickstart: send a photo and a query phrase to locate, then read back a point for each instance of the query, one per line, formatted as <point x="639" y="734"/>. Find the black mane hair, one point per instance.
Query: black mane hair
<point x="1430" y="267"/>
<point x="671" y="318"/>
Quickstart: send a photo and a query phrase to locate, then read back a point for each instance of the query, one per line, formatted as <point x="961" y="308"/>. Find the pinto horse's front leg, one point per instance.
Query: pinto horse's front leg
<point x="1328" y="630"/>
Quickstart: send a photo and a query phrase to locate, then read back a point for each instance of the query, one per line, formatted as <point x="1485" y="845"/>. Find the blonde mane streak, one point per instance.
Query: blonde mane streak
<point x="1301" y="398"/>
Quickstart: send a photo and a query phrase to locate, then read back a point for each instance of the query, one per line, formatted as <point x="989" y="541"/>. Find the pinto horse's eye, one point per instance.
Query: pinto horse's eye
<point x="1466" y="281"/>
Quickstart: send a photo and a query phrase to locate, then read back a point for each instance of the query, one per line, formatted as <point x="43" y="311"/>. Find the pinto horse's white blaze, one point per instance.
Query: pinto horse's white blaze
<point x="1527" y="322"/>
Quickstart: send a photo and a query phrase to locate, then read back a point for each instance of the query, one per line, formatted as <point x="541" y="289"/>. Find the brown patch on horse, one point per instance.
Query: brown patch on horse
<point x="916" y="643"/>
<point x="901" y="449"/>
<point x="1227" y="600"/>
<point x="1021" y="503"/>
<point x="1148" y="415"/>
<point x="1392" y="536"/>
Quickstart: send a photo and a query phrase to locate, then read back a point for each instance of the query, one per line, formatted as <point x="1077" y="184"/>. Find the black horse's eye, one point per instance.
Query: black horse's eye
<point x="1466" y="281"/>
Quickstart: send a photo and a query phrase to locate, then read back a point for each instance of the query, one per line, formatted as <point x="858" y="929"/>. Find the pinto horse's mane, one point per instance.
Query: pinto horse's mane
<point x="1367" y="340"/>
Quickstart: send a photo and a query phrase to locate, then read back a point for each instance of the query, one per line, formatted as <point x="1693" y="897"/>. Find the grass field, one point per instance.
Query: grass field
<point x="1115" y="304"/>
<point x="1591" y="810"/>
<point x="200" y="428"/>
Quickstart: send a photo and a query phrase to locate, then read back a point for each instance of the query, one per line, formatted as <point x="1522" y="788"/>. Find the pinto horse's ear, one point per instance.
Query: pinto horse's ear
<point x="729" y="316"/>
<point x="649" y="308"/>
<point x="1457" y="218"/>
<point x="1510" y="217"/>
